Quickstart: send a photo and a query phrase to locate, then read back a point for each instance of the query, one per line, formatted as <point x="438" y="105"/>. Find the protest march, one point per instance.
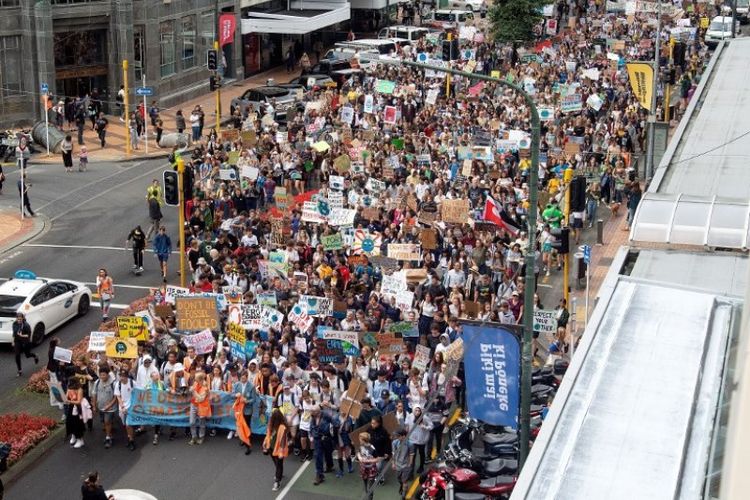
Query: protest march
<point x="355" y="275"/>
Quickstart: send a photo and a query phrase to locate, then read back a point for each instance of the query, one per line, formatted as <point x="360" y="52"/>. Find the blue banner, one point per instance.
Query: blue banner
<point x="154" y="407"/>
<point x="492" y="362"/>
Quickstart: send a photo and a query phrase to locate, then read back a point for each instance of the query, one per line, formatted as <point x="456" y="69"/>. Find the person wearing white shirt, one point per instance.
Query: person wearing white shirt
<point x="145" y="368"/>
<point x="455" y="278"/>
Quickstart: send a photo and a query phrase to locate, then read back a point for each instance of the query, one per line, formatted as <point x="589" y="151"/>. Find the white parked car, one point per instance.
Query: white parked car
<point x="470" y="5"/>
<point x="47" y="304"/>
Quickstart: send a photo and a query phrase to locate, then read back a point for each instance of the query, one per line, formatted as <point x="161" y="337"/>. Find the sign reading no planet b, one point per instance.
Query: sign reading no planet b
<point x="197" y="313"/>
<point x="492" y="360"/>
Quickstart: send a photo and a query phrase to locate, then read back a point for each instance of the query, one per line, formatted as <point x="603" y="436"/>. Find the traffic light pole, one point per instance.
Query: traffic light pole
<point x="125" y="103"/>
<point x="181" y="218"/>
<point x="567" y="177"/>
<point x="530" y="278"/>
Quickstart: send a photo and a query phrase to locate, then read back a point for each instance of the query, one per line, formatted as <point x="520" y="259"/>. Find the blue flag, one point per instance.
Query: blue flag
<point x="492" y="361"/>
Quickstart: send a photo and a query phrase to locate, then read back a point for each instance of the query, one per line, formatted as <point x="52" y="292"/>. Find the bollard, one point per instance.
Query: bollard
<point x="580" y="269"/>
<point x="600" y="232"/>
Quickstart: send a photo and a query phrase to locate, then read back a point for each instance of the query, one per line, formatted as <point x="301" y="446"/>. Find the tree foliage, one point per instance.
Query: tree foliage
<point x="514" y="20"/>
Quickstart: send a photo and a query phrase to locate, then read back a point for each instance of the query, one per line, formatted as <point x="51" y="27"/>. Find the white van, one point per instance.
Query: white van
<point x="383" y="47"/>
<point x="719" y="29"/>
<point x="411" y="33"/>
<point x="451" y="19"/>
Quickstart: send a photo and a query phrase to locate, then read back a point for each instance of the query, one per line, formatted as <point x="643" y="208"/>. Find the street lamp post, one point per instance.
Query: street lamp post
<point x="530" y="278"/>
<point x="652" y="115"/>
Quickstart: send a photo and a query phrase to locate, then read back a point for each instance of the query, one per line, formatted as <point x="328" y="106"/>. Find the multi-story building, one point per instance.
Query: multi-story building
<point x="76" y="46"/>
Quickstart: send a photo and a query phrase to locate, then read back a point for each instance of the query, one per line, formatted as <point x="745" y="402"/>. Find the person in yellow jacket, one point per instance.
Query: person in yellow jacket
<point x="276" y="444"/>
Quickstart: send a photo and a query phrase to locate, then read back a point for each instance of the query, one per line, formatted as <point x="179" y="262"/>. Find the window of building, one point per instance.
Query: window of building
<point x="207" y="30"/>
<point x="188" y="42"/>
<point x="139" y="51"/>
<point x="10" y="65"/>
<point x="9" y="3"/>
<point x="166" y="44"/>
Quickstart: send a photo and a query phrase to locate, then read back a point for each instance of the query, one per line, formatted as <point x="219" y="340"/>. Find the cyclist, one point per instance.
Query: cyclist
<point x="139" y="244"/>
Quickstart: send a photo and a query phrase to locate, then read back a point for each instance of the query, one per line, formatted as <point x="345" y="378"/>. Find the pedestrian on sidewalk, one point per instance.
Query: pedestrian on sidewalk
<point x="202" y="120"/>
<point x="22" y="341"/>
<point x="83" y="158"/>
<point x="153" y="113"/>
<point x="67" y="153"/>
<point x="101" y="128"/>
<point x="74" y="426"/>
<point x="593" y="197"/>
<point x="25" y="203"/>
<point x="138" y="237"/>
<point x="179" y="121"/>
<point x="159" y="130"/>
<point x="119" y="101"/>
<point x="195" y="124"/>
<point x="140" y="118"/>
<point x="80" y="123"/>
<point x="133" y="126"/>
<point x="106" y="290"/>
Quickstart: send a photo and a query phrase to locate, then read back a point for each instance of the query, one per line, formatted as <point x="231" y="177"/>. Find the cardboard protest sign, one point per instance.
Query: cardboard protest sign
<point x="472" y="309"/>
<point x="172" y="292"/>
<point x="251" y="314"/>
<point x="404" y="300"/>
<point x="316" y="306"/>
<point x="248" y="138"/>
<point x="545" y="321"/>
<point x="406" y="329"/>
<point x="371" y="213"/>
<point x="266" y="299"/>
<point x="332" y="242"/>
<point x="197" y="313"/>
<point x="121" y="348"/>
<point x="300" y="344"/>
<point x="349" y="340"/>
<point x="203" y="342"/>
<point x="132" y="327"/>
<point x="452" y="356"/>
<point x="237" y="338"/>
<point x="390" y="345"/>
<point x="404" y="251"/>
<point x="428" y="238"/>
<point x="368" y="338"/>
<point x="455" y="211"/>
<point x="300" y="318"/>
<point x="98" y="341"/>
<point x="385" y="263"/>
<point x="63" y="355"/>
<point x="271" y="318"/>
<point x="421" y="357"/>
<point x="350" y="400"/>
<point x="341" y="217"/>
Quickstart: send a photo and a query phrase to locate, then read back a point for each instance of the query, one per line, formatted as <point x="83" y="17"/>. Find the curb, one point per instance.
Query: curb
<point x="32" y="457"/>
<point x="41" y="224"/>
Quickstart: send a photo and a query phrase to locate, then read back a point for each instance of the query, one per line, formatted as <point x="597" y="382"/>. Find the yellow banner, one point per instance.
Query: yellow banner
<point x="132" y="327"/>
<point x="122" y="348"/>
<point x="642" y="81"/>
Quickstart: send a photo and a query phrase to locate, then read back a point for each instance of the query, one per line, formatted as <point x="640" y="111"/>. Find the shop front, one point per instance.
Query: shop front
<point x="81" y="63"/>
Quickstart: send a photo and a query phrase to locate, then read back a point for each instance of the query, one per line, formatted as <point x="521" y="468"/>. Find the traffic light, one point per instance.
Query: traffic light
<point x="187" y="184"/>
<point x="171" y="188"/>
<point x="450" y="50"/>
<point x="213" y="83"/>
<point x="671" y="76"/>
<point x="213" y="58"/>
<point x="678" y="54"/>
<point x="562" y="240"/>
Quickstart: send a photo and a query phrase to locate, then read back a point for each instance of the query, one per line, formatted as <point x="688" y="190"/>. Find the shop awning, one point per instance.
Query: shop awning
<point x="297" y="20"/>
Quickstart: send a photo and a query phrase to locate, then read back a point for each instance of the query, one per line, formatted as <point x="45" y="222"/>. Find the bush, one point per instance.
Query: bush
<point x="23" y="432"/>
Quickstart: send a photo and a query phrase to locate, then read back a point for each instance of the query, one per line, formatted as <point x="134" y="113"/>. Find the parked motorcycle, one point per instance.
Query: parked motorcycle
<point x="467" y="484"/>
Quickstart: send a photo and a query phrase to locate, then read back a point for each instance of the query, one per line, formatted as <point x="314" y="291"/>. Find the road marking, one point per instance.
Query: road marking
<point x="90" y="184"/>
<point x="14" y="254"/>
<point x="545" y="285"/>
<point x="86" y="247"/>
<point x="111" y="306"/>
<point x="106" y="191"/>
<point x="289" y="485"/>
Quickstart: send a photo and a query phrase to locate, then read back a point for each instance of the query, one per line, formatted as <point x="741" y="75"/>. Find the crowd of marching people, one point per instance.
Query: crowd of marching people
<point x="375" y="166"/>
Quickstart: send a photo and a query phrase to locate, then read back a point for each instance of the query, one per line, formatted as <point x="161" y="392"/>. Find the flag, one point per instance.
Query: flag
<point x="496" y="214"/>
<point x="227" y="25"/>
<point x="642" y="82"/>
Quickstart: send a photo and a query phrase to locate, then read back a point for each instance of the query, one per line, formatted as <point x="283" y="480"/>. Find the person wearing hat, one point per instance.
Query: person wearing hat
<point x="386" y="404"/>
<point x="22" y="341"/>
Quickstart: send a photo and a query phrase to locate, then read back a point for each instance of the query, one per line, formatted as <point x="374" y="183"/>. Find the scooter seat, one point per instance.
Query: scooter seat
<point x="499" y="465"/>
<point x="495" y="481"/>
<point x="493" y="439"/>
<point x="469" y="496"/>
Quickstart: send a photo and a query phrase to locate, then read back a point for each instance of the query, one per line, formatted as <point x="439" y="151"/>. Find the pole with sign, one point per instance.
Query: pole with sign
<point x="587" y="261"/>
<point x="145" y="121"/>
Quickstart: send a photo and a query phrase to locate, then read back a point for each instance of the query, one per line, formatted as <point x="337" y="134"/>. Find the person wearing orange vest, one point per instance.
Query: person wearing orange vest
<point x="200" y="409"/>
<point x="276" y="444"/>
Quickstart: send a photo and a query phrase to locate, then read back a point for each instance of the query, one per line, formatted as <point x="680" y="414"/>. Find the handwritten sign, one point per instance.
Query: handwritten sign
<point x="428" y="238"/>
<point x="545" y="321"/>
<point x="251" y="314"/>
<point x="271" y="318"/>
<point x="98" y="341"/>
<point x="300" y="344"/>
<point x="329" y="351"/>
<point x="132" y="327"/>
<point x="300" y="318"/>
<point x="197" y="313"/>
<point x="172" y="292"/>
<point x="349" y="340"/>
<point x="421" y="357"/>
<point x="63" y="355"/>
<point x="121" y="348"/>
<point x="332" y="242"/>
<point x="237" y="339"/>
<point x="404" y="251"/>
<point x="455" y="211"/>
<point x="390" y="345"/>
<point x="407" y="329"/>
<point x="203" y="342"/>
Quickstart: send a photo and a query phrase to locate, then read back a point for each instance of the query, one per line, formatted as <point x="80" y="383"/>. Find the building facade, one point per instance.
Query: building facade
<point x="77" y="46"/>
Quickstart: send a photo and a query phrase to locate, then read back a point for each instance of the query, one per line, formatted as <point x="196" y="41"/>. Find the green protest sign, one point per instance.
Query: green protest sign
<point x="332" y="242"/>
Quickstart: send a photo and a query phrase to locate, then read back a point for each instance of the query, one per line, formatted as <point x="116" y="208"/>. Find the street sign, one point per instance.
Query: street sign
<point x="587" y="254"/>
<point x="45" y="88"/>
<point x="144" y="91"/>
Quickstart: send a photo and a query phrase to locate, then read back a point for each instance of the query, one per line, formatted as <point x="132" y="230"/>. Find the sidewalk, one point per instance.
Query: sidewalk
<point x="14" y="230"/>
<point x="115" y="150"/>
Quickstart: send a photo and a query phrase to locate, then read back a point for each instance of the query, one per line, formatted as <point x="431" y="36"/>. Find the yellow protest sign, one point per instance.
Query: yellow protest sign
<point x="132" y="327"/>
<point x="704" y="23"/>
<point x="121" y="348"/>
<point x="641" y="76"/>
<point x="495" y="73"/>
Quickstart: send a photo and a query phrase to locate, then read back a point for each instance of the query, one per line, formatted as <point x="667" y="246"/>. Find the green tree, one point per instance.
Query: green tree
<point x="514" y="20"/>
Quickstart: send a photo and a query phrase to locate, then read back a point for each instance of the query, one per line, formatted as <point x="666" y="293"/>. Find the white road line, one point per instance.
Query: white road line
<point x="544" y="285"/>
<point x="89" y="184"/>
<point x="135" y="287"/>
<point x="111" y="306"/>
<point x="87" y="247"/>
<point x="289" y="485"/>
<point x="106" y="191"/>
